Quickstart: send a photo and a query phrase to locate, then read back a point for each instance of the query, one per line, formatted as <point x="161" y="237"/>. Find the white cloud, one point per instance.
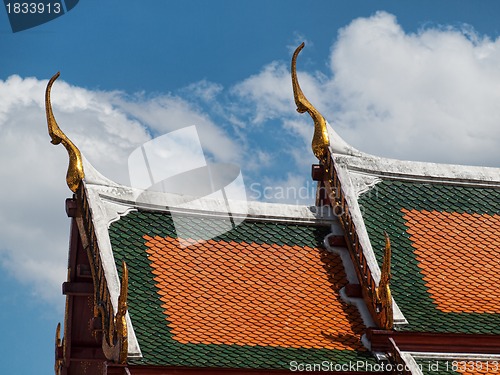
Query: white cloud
<point x="166" y="113"/>
<point x="257" y="159"/>
<point x="428" y="96"/>
<point x="266" y="95"/>
<point x="33" y="226"/>
<point x="105" y="132"/>
<point x="205" y="90"/>
<point x="292" y="189"/>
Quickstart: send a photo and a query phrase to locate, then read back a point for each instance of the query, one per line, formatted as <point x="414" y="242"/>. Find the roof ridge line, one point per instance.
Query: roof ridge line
<point x="318" y="215"/>
<point x="428" y="179"/>
<point x="420" y="171"/>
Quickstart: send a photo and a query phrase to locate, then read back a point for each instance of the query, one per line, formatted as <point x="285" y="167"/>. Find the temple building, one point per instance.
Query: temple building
<point x="395" y="270"/>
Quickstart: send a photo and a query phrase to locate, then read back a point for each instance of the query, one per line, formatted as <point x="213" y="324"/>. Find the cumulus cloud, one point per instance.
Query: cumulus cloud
<point x="31" y="247"/>
<point x="269" y="91"/>
<point x="165" y="113"/>
<point x="431" y="95"/>
<point x="205" y="90"/>
<point x="33" y="225"/>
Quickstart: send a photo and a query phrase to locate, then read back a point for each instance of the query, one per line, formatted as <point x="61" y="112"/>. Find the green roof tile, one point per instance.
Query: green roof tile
<point x="150" y="322"/>
<point x="382" y="212"/>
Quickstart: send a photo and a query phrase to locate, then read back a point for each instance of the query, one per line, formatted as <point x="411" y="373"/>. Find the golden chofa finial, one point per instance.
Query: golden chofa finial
<point x="75" y="169"/>
<point x="320" y="140"/>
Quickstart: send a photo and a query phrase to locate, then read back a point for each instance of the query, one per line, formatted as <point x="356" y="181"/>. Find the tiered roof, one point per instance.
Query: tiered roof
<point x="397" y="265"/>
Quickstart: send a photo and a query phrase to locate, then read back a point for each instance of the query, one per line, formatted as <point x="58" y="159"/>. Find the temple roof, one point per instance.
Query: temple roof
<point x="263" y="284"/>
<point x="258" y="296"/>
<point x="262" y="294"/>
<point x="268" y="291"/>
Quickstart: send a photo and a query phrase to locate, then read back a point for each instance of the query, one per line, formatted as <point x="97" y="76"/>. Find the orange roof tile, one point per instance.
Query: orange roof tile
<point x="476" y="367"/>
<point x="251" y="294"/>
<point x="458" y="257"/>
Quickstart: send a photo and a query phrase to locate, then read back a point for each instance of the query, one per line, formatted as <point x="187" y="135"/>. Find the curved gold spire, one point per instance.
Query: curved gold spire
<point x="320" y="140"/>
<point x="75" y="169"/>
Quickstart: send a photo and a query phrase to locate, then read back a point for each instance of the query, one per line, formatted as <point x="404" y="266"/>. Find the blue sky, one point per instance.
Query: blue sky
<point x="416" y="80"/>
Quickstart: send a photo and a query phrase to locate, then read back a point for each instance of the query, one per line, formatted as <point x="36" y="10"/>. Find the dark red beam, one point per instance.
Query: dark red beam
<point x="434" y="342"/>
<point x="77" y="288"/>
<point x="85" y="354"/>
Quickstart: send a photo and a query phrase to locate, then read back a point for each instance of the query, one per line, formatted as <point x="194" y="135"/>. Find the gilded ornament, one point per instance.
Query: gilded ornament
<point x="321" y="140"/>
<point x="383" y="291"/>
<point x="120" y="319"/>
<point x="59" y="347"/>
<point x="115" y="342"/>
<point x="75" y="169"/>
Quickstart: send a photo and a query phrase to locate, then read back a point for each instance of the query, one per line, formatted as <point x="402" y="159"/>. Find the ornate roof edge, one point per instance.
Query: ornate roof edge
<point x="116" y="201"/>
<point x="320" y="141"/>
<point x="94" y="177"/>
<point x="410" y="363"/>
<point x="127" y="345"/>
<point x="352" y="279"/>
<point x="99" y="215"/>
<point x="324" y="136"/>
<point x="349" y="192"/>
<point x="414" y="171"/>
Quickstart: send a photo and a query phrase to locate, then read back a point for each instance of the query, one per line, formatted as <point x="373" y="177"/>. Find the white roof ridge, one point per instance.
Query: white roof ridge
<point x="135" y="199"/>
<point x="420" y="171"/>
<point x="363" y="163"/>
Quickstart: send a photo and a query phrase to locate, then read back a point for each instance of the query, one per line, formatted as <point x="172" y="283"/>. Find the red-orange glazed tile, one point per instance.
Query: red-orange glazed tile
<point x="467" y="367"/>
<point x="254" y="294"/>
<point x="458" y="269"/>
